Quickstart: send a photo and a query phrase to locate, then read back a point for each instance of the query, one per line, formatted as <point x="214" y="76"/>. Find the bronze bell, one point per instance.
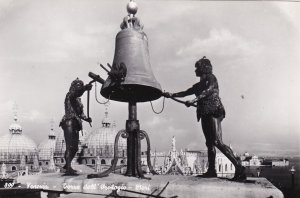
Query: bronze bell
<point x="136" y="81"/>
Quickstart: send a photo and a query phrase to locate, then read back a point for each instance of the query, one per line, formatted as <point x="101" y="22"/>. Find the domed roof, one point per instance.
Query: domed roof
<point x="17" y="143"/>
<point x="47" y="147"/>
<point x="104" y="135"/>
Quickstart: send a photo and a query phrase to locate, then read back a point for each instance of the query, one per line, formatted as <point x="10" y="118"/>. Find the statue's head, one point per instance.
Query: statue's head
<point x="203" y="66"/>
<point x="76" y="85"/>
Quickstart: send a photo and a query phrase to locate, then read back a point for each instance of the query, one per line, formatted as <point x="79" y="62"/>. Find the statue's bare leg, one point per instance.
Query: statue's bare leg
<point x="227" y="151"/>
<point x="71" y="140"/>
<point x="208" y="130"/>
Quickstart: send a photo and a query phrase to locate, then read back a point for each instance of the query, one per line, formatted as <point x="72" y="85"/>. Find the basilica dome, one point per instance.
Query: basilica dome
<point x="102" y="140"/>
<point x="15" y="144"/>
<point x="46" y="148"/>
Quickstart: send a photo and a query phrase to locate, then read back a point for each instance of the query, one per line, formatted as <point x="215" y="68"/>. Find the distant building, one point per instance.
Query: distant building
<point x="248" y="160"/>
<point x="277" y="162"/>
<point x="224" y="166"/>
<point x="255" y="161"/>
<point x="187" y="162"/>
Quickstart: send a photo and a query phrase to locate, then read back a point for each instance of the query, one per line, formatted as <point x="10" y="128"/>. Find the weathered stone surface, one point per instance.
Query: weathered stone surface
<point x="182" y="186"/>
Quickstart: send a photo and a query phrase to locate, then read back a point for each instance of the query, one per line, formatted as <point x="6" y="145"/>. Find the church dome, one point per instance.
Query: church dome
<point x="47" y="147"/>
<point x="15" y="144"/>
<point x="103" y="138"/>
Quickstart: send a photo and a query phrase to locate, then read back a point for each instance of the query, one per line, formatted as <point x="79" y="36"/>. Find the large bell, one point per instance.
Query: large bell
<point x="139" y="83"/>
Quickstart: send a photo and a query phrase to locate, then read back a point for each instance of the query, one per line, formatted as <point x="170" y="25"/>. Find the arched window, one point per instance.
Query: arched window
<point x="93" y="161"/>
<point x="220" y="167"/>
<point x="225" y="167"/>
<point x="40" y="163"/>
<point x="122" y="161"/>
<point x="62" y="160"/>
<point x="13" y="168"/>
<point x="103" y="161"/>
<point x="231" y="167"/>
<point x="46" y="163"/>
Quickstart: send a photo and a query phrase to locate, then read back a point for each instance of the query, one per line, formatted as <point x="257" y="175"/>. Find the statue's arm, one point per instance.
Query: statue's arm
<point x="79" y="92"/>
<point x="75" y="95"/>
<point x="82" y="115"/>
<point x="181" y="94"/>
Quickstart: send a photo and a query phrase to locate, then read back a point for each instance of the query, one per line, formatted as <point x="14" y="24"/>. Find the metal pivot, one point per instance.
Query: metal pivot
<point x="134" y="168"/>
<point x="134" y="136"/>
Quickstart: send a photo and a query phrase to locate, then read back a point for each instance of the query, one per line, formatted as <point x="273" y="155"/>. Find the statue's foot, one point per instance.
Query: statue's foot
<point x="240" y="175"/>
<point x="65" y="167"/>
<point x="73" y="170"/>
<point x="70" y="171"/>
<point x="91" y="176"/>
<point x="208" y="174"/>
<point x="154" y="172"/>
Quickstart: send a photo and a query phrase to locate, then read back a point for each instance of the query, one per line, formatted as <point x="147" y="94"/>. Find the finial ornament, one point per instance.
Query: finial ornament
<point x="132" y="7"/>
<point x="15" y="111"/>
<point x="131" y="21"/>
<point x="51" y="124"/>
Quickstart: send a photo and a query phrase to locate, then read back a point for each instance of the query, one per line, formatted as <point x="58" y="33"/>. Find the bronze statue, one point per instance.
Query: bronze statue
<point x="71" y="122"/>
<point x="211" y="112"/>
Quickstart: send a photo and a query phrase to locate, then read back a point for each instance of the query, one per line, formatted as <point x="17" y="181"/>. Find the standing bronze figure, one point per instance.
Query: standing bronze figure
<point x="211" y="112"/>
<point x="71" y="122"/>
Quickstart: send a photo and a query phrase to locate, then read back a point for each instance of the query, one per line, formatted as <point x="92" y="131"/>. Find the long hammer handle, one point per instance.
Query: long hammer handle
<point x="88" y="105"/>
<point x="96" y="78"/>
<point x="182" y="102"/>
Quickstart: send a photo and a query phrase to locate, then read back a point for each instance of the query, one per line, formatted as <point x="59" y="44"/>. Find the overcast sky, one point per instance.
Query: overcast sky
<point x="253" y="46"/>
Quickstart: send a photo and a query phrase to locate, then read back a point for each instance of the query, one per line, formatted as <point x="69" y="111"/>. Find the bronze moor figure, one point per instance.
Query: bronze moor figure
<point x="71" y="122"/>
<point x="211" y="112"/>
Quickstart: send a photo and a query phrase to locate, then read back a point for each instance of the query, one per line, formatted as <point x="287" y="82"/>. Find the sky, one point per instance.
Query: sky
<point x="253" y="46"/>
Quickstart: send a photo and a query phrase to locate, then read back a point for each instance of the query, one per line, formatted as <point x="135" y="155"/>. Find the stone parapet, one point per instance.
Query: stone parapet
<point x="181" y="186"/>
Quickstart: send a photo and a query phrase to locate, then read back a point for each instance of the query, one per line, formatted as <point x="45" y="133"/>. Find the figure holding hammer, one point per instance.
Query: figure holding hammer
<point x="211" y="112"/>
<point x="71" y="122"/>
